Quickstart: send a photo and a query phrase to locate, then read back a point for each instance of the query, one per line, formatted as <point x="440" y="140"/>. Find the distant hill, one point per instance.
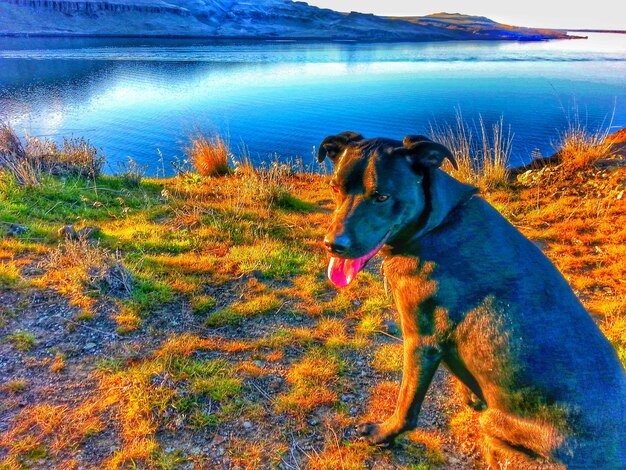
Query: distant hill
<point x="278" y="19"/>
<point x="479" y="27"/>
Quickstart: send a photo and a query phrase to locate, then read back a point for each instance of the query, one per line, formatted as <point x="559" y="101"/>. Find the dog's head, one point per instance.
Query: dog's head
<point x="385" y="194"/>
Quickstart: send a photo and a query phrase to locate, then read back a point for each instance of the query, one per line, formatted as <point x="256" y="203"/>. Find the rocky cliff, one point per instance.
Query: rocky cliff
<point x="93" y="7"/>
<point x="227" y="19"/>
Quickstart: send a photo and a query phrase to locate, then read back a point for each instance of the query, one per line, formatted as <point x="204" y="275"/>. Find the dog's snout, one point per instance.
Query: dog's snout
<point x="337" y="244"/>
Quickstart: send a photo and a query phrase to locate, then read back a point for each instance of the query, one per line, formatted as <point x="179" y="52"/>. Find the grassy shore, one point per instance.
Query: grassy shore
<point x="196" y="328"/>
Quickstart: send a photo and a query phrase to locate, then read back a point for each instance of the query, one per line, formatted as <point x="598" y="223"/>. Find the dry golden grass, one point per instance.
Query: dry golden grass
<point x="482" y="154"/>
<point x="52" y="429"/>
<point x="312" y="383"/>
<point x="388" y="358"/>
<point x="209" y="156"/>
<point x="578" y="148"/>
<point x="79" y="268"/>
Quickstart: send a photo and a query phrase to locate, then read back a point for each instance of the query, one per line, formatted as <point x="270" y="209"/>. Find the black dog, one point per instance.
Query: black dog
<point x="475" y="294"/>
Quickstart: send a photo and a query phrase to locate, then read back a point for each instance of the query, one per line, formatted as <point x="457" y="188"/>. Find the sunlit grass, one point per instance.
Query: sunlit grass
<point x="482" y="153"/>
<point x="578" y="147"/>
<point x="272" y="259"/>
<point x="209" y="156"/>
<point x="239" y="311"/>
<point x="313" y="381"/>
<point x="9" y="275"/>
<point x="388" y="358"/>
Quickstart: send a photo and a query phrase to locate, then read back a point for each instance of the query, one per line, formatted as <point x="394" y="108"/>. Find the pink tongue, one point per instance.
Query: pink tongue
<point x="342" y="271"/>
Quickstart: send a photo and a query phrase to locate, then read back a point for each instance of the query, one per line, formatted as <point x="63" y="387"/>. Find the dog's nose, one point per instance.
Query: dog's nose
<point x="337" y="245"/>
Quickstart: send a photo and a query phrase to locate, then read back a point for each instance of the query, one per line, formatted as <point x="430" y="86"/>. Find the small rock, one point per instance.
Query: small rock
<point x="169" y="450"/>
<point x="217" y="440"/>
<point x="15" y="230"/>
<point x="356" y="303"/>
<point x="392" y="327"/>
<point x="274" y="385"/>
<point x="220" y="452"/>
<point x="195" y="450"/>
<point x="88" y="232"/>
<point x="313" y="422"/>
<point x="247" y="425"/>
<point x="353" y="411"/>
<point x="68" y="232"/>
<point x="90" y="346"/>
<point x="258" y="363"/>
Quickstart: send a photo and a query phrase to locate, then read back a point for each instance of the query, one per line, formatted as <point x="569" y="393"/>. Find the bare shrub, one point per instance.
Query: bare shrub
<point x="482" y="154"/>
<point x="76" y="156"/>
<point x="209" y="156"/>
<point x="14" y="159"/>
<point x="77" y="263"/>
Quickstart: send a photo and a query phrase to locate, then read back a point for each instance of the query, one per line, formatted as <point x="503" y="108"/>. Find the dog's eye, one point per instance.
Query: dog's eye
<point x="381" y="197"/>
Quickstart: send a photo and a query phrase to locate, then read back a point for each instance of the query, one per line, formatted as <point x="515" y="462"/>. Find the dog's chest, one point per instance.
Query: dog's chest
<point x="415" y="294"/>
<point x="409" y="279"/>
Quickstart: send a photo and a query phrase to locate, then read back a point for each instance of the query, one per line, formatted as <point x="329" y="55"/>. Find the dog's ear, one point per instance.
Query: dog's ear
<point x="333" y="145"/>
<point x="421" y="152"/>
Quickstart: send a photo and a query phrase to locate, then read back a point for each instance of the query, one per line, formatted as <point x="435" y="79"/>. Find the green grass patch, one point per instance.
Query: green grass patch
<point x="67" y="201"/>
<point x="110" y="365"/>
<point x="217" y="388"/>
<point x="14" y="386"/>
<point x="271" y="259"/>
<point x="370" y="324"/>
<point x="286" y="200"/>
<point x="149" y="294"/>
<point x="239" y="311"/>
<point x="22" y="340"/>
<point x="203" y="304"/>
<point x="339" y="305"/>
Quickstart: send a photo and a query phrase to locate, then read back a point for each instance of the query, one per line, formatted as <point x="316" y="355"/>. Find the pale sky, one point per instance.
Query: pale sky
<point x="597" y="14"/>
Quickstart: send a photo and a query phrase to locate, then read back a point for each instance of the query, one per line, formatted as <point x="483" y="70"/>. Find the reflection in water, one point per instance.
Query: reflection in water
<point x="285" y="97"/>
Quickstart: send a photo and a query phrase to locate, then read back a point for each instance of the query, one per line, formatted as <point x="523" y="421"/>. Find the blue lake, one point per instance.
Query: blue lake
<point x="142" y="97"/>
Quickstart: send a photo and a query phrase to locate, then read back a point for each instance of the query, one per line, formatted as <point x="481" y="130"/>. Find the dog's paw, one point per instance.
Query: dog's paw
<point x="374" y="434"/>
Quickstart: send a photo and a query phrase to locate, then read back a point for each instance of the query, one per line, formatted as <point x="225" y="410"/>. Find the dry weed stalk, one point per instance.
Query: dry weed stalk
<point x="578" y="147"/>
<point x="482" y="154"/>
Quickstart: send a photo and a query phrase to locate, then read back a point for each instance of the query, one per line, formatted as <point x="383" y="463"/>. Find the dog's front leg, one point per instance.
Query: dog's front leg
<point x="421" y="359"/>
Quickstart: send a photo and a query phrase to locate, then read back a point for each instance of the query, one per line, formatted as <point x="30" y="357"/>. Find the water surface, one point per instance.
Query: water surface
<point x="141" y="97"/>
